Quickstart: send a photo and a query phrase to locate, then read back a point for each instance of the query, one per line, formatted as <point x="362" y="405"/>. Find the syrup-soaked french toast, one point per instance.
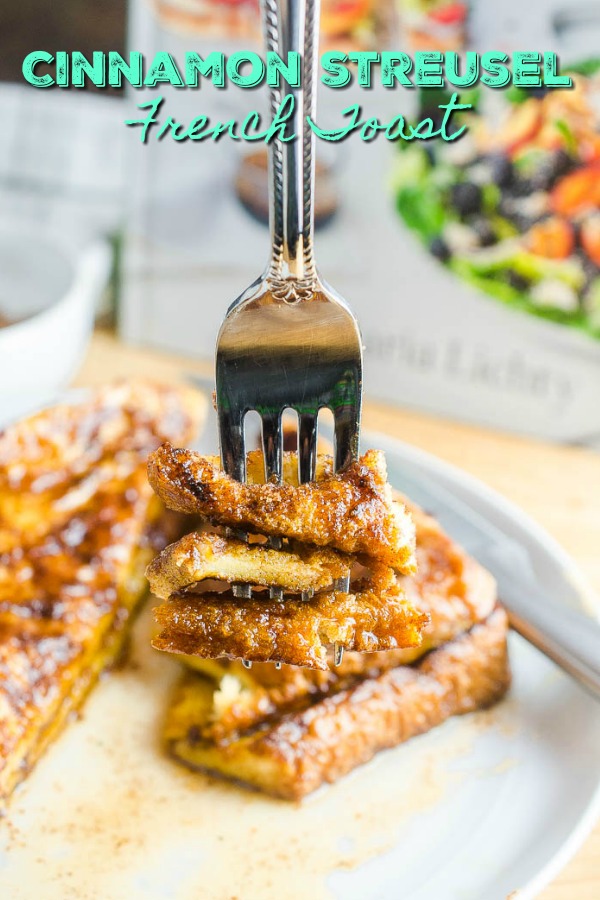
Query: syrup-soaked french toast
<point x="287" y="731"/>
<point x="341" y="526"/>
<point x="201" y="555"/>
<point x="297" y="632"/>
<point x="78" y="525"/>
<point x="352" y="511"/>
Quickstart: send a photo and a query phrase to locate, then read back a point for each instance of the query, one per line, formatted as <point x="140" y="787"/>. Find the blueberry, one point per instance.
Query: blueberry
<point x="551" y="169"/>
<point x="542" y="181"/>
<point x="466" y="198"/>
<point x="502" y="170"/>
<point x="486" y="234"/>
<point x="516" y="280"/>
<point x="590" y="269"/>
<point x="523" y="187"/>
<point x="562" y="163"/>
<point x="440" y="249"/>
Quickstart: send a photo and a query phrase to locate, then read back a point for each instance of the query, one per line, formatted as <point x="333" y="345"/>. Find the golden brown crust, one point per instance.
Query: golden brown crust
<point x="200" y="556"/>
<point x="292" y="754"/>
<point x="352" y="512"/>
<point x="77" y="521"/>
<point x="452" y="588"/>
<point x="293" y="631"/>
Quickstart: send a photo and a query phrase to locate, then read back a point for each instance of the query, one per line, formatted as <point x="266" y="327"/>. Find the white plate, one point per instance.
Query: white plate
<point x="485" y="805"/>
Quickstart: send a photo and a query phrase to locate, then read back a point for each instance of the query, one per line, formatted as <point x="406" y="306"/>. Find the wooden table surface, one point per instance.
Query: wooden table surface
<point x="558" y="486"/>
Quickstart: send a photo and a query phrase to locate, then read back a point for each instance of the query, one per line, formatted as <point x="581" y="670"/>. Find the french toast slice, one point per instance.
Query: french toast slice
<point x="78" y="525"/>
<point x="297" y="747"/>
<point x="205" y="555"/>
<point x="352" y="511"/>
<point x="297" y="632"/>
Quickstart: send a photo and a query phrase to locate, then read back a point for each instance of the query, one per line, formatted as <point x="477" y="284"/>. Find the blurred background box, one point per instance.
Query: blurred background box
<point x="431" y="341"/>
<point x="188" y="238"/>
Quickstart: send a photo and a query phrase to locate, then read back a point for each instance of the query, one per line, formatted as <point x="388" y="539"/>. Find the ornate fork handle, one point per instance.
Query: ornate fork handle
<point x="291" y="26"/>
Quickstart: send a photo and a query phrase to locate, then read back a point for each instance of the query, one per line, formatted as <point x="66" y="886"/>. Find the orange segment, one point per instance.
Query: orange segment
<point x="577" y="191"/>
<point x="522" y="126"/>
<point x="552" y="238"/>
<point x="590" y="238"/>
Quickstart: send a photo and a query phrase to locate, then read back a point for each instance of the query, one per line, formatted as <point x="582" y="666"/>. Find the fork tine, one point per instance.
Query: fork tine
<point x="342" y="584"/>
<point x="233" y="444"/>
<point x="307" y="447"/>
<point x="233" y="457"/>
<point x="347" y="431"/>
<point x="272" y="441"/>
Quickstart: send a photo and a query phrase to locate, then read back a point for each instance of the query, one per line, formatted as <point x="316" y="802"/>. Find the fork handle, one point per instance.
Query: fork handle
<point x="566" y="636"/>
<point x="292" y="26"/>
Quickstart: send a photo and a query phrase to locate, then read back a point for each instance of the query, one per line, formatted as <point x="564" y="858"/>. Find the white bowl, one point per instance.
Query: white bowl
<point x="51" y="289"/>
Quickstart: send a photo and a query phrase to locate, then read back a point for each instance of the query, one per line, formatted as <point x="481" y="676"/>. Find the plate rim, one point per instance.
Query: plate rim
<point x="590" y="813"/>
<point x="493" y="497"/>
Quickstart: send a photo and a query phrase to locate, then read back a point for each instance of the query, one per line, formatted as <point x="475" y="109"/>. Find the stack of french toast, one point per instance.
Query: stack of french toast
<point x="424" y="636"/>
<point x="341" y="526"/>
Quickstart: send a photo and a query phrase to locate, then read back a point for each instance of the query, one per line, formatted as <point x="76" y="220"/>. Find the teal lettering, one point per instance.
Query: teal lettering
<point x="424" y="130"/>
<point x="277" y="127"/>
<point x="254" y="76"/>
<point x="82" y="68"/>
<point x="196" y="128"/>
<point x="177" y="130"/>
<point x="337" y="76"/>
<point x="370" y="128"/>
<point x="364" y="61"/>
<point x="213" y="65"/>
<point x="471" y="73"/>
<point x="395" y="67"/>
<point x="277" y="69"/>
<point x="526" y="69"/>
<point x="163" y="68"/>
<point x="62" y="69"/>
<point x="494" y="73"/>
<point x="398" y="133"/>
<point x="551" y="76"/>
<point x="339" y="134"/>
<point x="450" y="108"/>
<point x="153" y="106"/>
<point x="428" y="68"/>
<point x="28" y="68"/>
<point x="222" y="128"/>
<point x="119" y="69"/>
<point x="252" y="120"/>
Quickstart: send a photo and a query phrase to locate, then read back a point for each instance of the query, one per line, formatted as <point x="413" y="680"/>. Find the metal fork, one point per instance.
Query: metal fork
<point x="289" y="341"/>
